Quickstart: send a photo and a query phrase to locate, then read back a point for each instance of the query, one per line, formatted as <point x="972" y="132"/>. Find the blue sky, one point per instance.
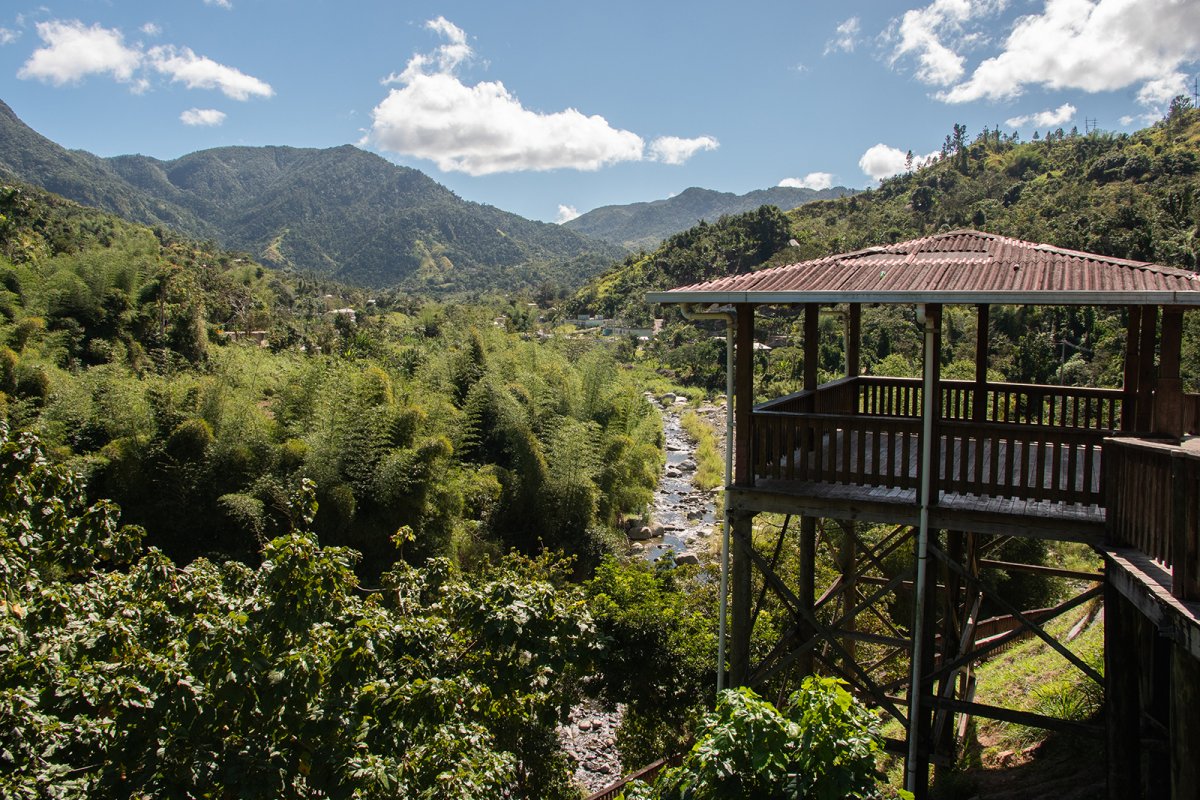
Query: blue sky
<point x="552" y="108"/>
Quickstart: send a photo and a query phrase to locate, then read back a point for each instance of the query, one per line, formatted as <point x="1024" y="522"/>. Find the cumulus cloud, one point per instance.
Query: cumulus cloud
<point x="813" y="180"/>
<point x="8" y="36"/>
<point x="674" y="150"/>
<point x="1062" y="114"/>
<point x="484" y="128"/>
<point x="207" y="117"/>
<point x="200" y="72"/>
<point x="845" y="37"/>
<point x="150" y="29"/>
<point x="936" y="36"/>
<point x="220" y="3"/>
<point x="1094" y="46"/>
<point x="72" y="51"/>
<point x="883" y="161"/>
<point x="566" y="214"/>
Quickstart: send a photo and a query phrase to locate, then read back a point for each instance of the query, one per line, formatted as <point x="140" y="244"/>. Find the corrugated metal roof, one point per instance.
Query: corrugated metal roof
<point x="957" y="267"/>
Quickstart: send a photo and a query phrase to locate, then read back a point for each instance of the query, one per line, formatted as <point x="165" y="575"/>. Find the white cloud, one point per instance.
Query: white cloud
<point x="846" y="37"/>
<point x="200" y="72"/>
<point x="813" y="180"/>
<point x="674" y="150"/>
<point x="484" y="129"/>
<point x="1063" y="114"/>
<point x="883" y="161"/>
<point x="1094" y="46"/>
<point x="73" y="51"/>
<point x="221" y="3"/>
<point x="8" y="36"/>
<point x="566" y="214"/>
<point x="150" y="29"/>
<point x="935" y="35"/>
<point x="207" y="117"/>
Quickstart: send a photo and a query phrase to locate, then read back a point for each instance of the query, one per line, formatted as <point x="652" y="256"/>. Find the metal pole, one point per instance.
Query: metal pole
<point x="723" y="607"/>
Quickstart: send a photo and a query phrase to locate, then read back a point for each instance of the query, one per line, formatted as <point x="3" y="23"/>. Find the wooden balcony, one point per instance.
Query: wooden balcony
<point x="1011" y="458"/>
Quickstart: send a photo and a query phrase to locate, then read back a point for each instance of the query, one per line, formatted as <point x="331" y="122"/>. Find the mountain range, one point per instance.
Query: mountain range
<point x="340" y="211"/>
<point x="643" y="226"/>
<point x="354" y="216"/>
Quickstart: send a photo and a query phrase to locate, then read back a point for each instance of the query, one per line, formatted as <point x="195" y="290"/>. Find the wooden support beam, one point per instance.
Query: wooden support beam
<point x="1185" y="724"/>
<point x="1147" y="339"/>
<point x="812" y="344"/>
<point x="1121" y="709"/>
<point x="1168" y="395"/>
<point x="743" y="391"/>
<point x="1026" y="718"/>
<point x="853" y="340"/>
<point x="982" y="348"/>
<point x="807" y="584"/>
<point x="1133" y="338"/>
<point x="740" y="576"/>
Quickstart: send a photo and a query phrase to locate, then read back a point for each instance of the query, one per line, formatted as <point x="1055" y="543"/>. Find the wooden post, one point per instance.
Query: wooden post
<point x="1168" y="398"/>
<point x="1185" y="724"/>
<point x="1185" y="582"/>
<point x="743" y="391"/>
<point x="1133" y="337"/>
<point x="853" y="341"/>
<point x="812" y="344"/>
<point x="1145" y="401"/>
<point x="807" y="586"/>
<point x="922" y="726"/>
<point x="935" y="468"/>
<point x="982" y="346"/>
<point x="740" y="575"/>
<point x="742" y="525"/>
<point x="1122" y="709"/>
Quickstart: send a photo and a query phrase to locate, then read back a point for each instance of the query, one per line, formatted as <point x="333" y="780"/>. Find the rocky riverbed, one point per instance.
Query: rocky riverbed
<point x="681" y="522"/>
<point x="682" y="517"/>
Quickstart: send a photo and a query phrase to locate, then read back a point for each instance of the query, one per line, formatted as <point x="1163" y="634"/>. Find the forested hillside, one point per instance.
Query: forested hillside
<point x="1131" y="196"/>
<point x="642" y="226"/>
<point x="339" y="212"/>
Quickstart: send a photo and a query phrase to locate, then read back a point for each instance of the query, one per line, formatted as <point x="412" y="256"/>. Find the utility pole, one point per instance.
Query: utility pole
<point x="1089" y="125"/>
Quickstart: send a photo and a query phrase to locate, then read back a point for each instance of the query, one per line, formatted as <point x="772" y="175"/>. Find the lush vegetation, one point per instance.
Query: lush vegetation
<point x="125" y="675"/>
<point x="416" y="417"/>
<point x="821" y="745"/>
<point x="394" y="534"/>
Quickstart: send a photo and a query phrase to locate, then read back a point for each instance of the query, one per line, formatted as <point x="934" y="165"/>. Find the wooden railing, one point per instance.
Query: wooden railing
<point x="1013" y="403"/>
<point x="1153" y="493"/>
<point x="1031" y="462"/>
<point x="646" y="774"/>
<point x="987" y="459"/>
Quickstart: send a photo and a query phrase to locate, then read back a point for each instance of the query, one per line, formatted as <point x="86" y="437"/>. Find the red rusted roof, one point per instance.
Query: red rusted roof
<point x="957" y="267"/>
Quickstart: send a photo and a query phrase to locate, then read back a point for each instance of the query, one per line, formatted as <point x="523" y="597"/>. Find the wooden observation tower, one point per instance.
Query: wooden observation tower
<point x="951" y="466"/>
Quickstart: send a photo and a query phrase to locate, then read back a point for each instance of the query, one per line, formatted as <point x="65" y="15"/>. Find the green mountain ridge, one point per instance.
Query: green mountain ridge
<point x="1124" y="195"/>
<point x="643" y="226"/>
<point x="340" y="212"/>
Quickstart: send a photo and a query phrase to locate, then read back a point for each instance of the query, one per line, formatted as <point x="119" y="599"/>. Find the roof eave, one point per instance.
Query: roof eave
<point x="1025" y="297"/>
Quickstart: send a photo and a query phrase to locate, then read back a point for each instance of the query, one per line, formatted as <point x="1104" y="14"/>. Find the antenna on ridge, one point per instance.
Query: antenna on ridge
<point x="1089" y="125"/>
